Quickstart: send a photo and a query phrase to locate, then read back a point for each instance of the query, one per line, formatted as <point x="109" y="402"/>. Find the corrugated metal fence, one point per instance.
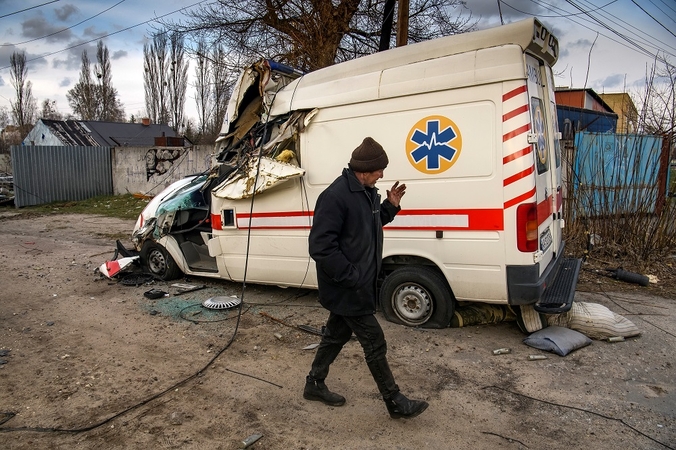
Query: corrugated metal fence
<point x="45" y="174"/>
<point x="620" y="173"/>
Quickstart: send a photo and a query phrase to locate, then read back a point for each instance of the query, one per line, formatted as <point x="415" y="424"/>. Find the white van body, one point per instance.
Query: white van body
<point x="468" y="123"/>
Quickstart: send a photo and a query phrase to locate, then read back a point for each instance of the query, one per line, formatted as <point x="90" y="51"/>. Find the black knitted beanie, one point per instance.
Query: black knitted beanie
<point x="368" y="157"/>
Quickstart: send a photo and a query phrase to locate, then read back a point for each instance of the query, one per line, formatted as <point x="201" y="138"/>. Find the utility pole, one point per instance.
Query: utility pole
<point x="386" y="29"/>
<point x="402" y="23"/>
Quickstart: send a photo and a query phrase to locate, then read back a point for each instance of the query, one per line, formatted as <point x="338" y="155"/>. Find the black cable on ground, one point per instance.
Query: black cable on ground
<point x="609" y="297"/>
<point x="136" y="406"/>
<point x="637" y="431"/>
<point x="195" y="321"/>
<point x="186" y="380"/>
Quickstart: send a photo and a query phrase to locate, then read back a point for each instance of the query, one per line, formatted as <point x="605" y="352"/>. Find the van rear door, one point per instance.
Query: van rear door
<point x="547" y="163"/>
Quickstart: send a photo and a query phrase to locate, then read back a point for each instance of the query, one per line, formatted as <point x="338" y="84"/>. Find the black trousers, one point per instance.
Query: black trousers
<point x="338" y="331"/>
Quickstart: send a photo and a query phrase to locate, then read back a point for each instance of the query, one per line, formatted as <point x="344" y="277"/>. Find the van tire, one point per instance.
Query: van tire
<point x="417" y="296"/>
<point x="158" y="262"/>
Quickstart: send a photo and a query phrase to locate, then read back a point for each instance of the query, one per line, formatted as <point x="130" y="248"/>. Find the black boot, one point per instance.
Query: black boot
<point x="317" y="390"/>
<point x="400" y="407"/>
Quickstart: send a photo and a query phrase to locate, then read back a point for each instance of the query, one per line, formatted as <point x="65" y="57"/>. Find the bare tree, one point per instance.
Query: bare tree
<point x="203" y="87"/>
<point x="82" y="97"/>
<point x="49" y="110"/>
<point x="223" y="80"/>
<point x="313" y="34"/>
<point x="96" y="100"/>
<point x="658" y="100"/>
<point x="24" y="108"/>
<point x="155" y="78"/>
<point x="178" y="81"/>
<point x="4" y="117"/>
<point x="109" y="108"/>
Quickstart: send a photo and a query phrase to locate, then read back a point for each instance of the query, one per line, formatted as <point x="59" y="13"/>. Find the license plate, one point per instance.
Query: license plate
<point x="546" y="239"/>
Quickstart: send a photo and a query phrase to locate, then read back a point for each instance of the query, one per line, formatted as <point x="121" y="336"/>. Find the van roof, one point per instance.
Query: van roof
<point x="529" y="34"/>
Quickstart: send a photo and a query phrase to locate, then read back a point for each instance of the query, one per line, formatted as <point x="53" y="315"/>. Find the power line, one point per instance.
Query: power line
<point x="615" y="32"/>
<point x="636" y="32"/>
<point x="27" y="9"/>
<point x="667" y="5"/>
<point x="108" y="34"/>
<point x="628" y="43"/>
<point x="650" y="15"/>
<point x="583" y="13"/>
<point x="65" y="29"/>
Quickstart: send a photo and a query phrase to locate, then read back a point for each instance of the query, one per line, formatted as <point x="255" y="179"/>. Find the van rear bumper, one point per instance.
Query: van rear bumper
<point x="552" y="291"/>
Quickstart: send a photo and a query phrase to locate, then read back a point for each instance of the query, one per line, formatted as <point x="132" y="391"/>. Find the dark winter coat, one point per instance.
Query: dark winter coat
<point x="346" y="242"/>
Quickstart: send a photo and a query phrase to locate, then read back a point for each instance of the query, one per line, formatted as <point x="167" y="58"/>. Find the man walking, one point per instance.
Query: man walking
<point x="346" y="242"/>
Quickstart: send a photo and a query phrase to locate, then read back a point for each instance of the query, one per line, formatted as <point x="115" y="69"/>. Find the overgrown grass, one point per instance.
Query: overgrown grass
<point x="121" y="206"/>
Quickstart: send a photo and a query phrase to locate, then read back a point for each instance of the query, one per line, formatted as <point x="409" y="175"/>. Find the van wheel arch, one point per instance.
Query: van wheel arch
<point x="417" y="296"/>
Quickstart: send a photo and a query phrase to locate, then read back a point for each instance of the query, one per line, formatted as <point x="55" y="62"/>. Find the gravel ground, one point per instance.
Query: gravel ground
<point x="91" y="363"/>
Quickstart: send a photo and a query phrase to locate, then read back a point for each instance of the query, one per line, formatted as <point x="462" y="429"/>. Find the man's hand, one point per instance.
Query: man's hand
<point x="395" y="193"/>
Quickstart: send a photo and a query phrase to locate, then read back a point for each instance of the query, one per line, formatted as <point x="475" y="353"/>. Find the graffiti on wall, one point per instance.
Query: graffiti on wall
<point x="161" y="160"/>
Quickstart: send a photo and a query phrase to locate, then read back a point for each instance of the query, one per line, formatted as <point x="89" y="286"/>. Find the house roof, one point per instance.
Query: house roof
<point x="107" y="134"/>
<point x="589" y="91"/>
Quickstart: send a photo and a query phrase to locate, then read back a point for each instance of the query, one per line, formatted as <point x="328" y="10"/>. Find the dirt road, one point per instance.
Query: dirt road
<point x="90" y="363"/>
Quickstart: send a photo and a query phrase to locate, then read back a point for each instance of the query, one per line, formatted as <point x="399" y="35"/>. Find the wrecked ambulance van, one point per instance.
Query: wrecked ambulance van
<point x="469" y="124"/>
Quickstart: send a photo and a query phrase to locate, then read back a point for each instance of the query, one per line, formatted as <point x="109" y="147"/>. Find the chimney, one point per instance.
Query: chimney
<point x="145" y="121"/>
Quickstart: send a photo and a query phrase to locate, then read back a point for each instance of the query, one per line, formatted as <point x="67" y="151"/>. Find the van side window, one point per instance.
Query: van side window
<point x="228" y="218"/>
<point x="557" y="135"/>
<point x="539" y="128"/>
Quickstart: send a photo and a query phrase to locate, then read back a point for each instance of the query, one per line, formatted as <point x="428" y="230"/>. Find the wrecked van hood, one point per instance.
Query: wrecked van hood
<point x="255" y="152"/>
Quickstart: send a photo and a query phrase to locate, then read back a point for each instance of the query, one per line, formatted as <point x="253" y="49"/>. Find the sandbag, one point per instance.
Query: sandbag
<point x="595" y="321"/>
<point x="559" y="340"/>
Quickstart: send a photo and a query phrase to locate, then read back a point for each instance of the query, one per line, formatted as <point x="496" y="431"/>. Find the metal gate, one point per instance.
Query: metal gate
<point x="45" y="174"/>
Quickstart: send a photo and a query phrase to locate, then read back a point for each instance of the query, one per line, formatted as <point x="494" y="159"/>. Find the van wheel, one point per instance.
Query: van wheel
<point x="159" y="262"/>
<point x="417" y="297"/>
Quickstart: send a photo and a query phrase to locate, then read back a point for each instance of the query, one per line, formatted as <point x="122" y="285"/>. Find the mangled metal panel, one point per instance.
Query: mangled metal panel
<point x="258" y="175"/>
<point x="264" y="77"/>
<point x="261" y="149"/>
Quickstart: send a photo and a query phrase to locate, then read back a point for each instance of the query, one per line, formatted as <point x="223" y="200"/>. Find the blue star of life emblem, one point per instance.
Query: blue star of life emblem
<point x="433" y="145"/>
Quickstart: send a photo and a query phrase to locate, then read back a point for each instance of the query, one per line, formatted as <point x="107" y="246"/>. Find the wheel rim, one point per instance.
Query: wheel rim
<point x="412" y="303"/>
<point x="157" y="263"/>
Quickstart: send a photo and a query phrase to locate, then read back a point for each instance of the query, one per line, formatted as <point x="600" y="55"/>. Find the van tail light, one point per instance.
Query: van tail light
<point x="527" y="227"/>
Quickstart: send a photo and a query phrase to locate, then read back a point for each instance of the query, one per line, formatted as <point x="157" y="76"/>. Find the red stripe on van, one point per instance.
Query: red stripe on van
<point x="514" y="92"/>
<point x="544" y="210"/>
<point x="216" y="223"/>
<point x="477" y="219"/>
<point x="521" y="198"/>
<point x="515" y="112"/>
<point x="559" y="199"/>
<point x="277" y="214"/>
<point x="516" y="132"/>
<point x="516" y="155"/>
<point x="518" y="176"/>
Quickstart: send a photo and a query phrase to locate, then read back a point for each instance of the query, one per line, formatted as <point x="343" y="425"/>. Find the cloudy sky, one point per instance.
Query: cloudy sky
<point x="605" y="44"/>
